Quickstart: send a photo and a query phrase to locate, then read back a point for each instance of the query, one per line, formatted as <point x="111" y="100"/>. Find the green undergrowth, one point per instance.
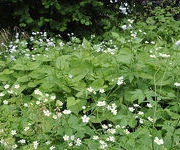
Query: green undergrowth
<point x="121" y="93"/>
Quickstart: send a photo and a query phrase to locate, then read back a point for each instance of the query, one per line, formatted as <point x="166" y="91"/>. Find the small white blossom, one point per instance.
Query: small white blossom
<point x="72" y="137"/>
<point x="104" y="126"/>
<point x="95" y="137"/>
<point x="52" y="147"/>
<point x="178" y="42"/>
<point x="90" y="89"/>
<point x="150" y="119"/>
<point x="124" y="27"/>
<point x="101" y="103"/>
<point x="70" y="76"/>
<point x="5" y="102"/>
<point x="54" y="116"/>
<point x="35" y="144"/>
<point x="78" y="142"/>
<point x="13" y="132"/>
<point x="101" y="91"/>
<point x="177" y="84"/>
<point x="158" y="141"/>
<point x="67" y="112"/>
<point x="6" y="86"/>
<point x="26" y="128"/>
<point x="126" y="131"/>
<point x="141" y="120"/>
<point x="149" y="105"/>
<point x="48" y="142"/>
<point x="53" y="97"/>
<point x="16" y="86"/>
<point x="66" y="138"/>
<point x="131" y="109"/>
<point x="85" y="119"/>
<point x="47" y="113"/>
<point x="83" y="107"/>
<point x="140" y="113"/>
<point x="38" y="92"/>
<point x="14" y="146"/>
<point x="25" y="105"/>
<point x="2" y="94"/>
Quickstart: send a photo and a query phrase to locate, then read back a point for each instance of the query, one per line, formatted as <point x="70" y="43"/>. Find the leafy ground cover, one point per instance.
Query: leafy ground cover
<point x="118" y="94"/>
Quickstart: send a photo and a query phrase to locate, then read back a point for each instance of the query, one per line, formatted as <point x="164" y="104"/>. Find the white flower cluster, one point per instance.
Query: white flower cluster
<point x="72" y="141"/>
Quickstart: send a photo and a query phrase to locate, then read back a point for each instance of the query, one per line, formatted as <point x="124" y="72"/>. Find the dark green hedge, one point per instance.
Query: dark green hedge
<point x="78" y="16"/>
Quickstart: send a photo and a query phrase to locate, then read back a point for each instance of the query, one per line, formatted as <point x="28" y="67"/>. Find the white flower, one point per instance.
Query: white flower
<point x="124" y="27"/>
<point x="52" y="147"/>
<point x="112" y="131"/>
<point x="22" y="141"/>
<point x="25" y="105"/>
<point x="140" y="113"/>
<point x="152" y="42"/>
<point x="149" y="105"/>
<point x="5" y="102"/>
<point x="13" y="132"/>
<point x="117" y="126"/>
<point x="59" y="115"/>
<point x="126" y="131"/>
<point x="54" y="116"/>
<point x="108" y="107"/>
<point x="131" y="21"/>
<point x="78" y="142"/>
<point x="6" y="86"/>
<point x="26" y="128"/>
<point x="53" y="97"/>
<point x="111" y="138"/>
<point x="150" y="119"/>
<point x="104" y="126"/>
<point x="83" y="107"/>
<point x="16" y="86"/>
<point x="131" y="109"/>
<point x="2" y="94"/>
<point x="37" y="92"/>
<point x="66" y="138"/>
<point x="164" y="55"/>
<point x="10" y="92"/>
<point x="101" y="103"/>
<point x="90" y="89"/>
<point x="141" y="120"/>
<point x="120" y="80"/>
<point x="158" y="141"/>
<point x="67" y="112"/>
<point x="47" y="113"/>
<point x="72" y="137"/>
<point x="152" y="56"/>
<point x="35" y="144"/>
<point x="70" y="76"/>
<point x="136" y="105"/>
<point x="101" y="91"/>
<point x="178" y="42"/>
<point x="94" y="92"/>
<point x="70" y="144"/>
<point x="48" y="142"/>
<point x="38" y="102"/>
<point x="114" y="111"/>
<point x="146" y="42"/>
<point x="177" y="84"/>
<point x="14" y="146"/>
<point x="114" y="105"/>
<point x="95" y="137"/>
<point x="85" y="118"/>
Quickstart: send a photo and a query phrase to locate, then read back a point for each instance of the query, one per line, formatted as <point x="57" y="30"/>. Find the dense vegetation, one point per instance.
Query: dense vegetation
<point x="118" y="90"/>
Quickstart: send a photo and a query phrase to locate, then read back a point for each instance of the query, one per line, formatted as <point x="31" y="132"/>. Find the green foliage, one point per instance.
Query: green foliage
<point x="120" y="93"/>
